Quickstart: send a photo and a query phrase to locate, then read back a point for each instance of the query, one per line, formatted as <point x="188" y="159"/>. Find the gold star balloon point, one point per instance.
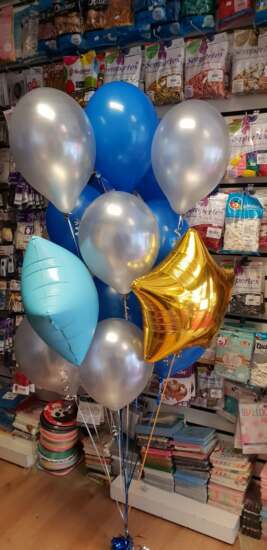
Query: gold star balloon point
<point x="183" y="299"/>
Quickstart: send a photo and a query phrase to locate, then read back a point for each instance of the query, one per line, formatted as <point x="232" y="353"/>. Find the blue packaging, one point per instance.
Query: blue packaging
<point x="242" y="223"/>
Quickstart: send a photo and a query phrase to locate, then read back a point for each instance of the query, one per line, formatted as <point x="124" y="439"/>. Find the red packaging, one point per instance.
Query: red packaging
<point x="208" y="218"/>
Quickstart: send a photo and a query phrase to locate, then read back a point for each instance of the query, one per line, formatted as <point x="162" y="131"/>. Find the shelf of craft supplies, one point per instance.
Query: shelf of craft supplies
<point x="232" y="104"/>
<point x="203" y="518"/>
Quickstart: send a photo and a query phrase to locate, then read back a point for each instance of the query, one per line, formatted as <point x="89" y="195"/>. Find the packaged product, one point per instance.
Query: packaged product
<point x="4" y="97"/>
<point x="248" y="140"/>
<point x="53" y="75"/>
<point x="260" y="12"/>
<point x="207" y="64"/>
<point x="164" y="71"/>
<point x="16" y="86"/>
<point x="234" y="13"/>
<point x="262" y="196"/>
<point x="47" y="36"/>
<point x="234" y="351"/>
<point x="197" y="17"/>
<point x="34" y="78"/>
<point x="105" y="14"/>
<point x="7" y="46"/>
<point x="258" y="376"/>
<point x="199" y="7"/>
<point x="81" y="76"/>
<point x="242" y="223"/>
<point x="123" y="66"/>
<point x="209" y="388"/>
<point x="30" y="30"/>
<point x="180" y="388"/>
<point x="69" y="26"/>
<point x="248" y="290"/>
<point x="208" y="218"/>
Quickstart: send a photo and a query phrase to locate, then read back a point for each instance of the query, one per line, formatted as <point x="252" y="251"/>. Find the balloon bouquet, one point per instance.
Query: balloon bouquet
<point x="123" y="283"/>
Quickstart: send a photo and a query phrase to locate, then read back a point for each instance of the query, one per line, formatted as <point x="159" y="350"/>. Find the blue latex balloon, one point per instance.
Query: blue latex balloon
<point x="124" y="122"/>
<point x="183" y="361"/>
<point x="111" y="304"/>
<point x="58" y="226"/>
<point x="148" y="187"/>
<point x="60" y="298"/>
<point x="171" y="226"/>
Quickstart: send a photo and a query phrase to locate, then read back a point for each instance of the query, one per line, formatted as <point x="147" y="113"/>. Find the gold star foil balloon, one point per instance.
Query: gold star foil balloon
<point x="183" y="299"/>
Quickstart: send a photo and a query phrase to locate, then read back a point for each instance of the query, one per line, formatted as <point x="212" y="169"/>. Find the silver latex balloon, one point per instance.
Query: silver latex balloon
<point x="190" y="153"/>
<point x="43" y="366"/>
<point x="114" y="372"/>
<point x="53" y="145"/>
<point x="119" y="239"/>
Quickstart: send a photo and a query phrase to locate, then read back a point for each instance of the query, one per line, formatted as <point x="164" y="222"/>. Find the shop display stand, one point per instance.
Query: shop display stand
<point x="203" y="518"/>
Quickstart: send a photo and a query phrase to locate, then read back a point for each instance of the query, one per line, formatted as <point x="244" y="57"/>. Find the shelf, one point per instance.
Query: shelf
<point x="260" y="181"/>
<point x="232" y="104"/>
<point x="203" y="518"/>
<point x="249" y="318"/>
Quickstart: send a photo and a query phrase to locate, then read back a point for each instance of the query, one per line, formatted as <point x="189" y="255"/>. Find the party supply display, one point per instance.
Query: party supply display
<point x="114" y="372"/>
<point x="58" y="225"/>
<point x="124" y="121"/>
<point x="119" y="239"/>
<point x="183" y="299"/>
<point x="248" y="290"/>
<point x="42" y="365"/>
<point x="171" y="226"/>
<point x="60" y="299"/>
<point x="51" y="129"/>
<point x="190" y="153"/>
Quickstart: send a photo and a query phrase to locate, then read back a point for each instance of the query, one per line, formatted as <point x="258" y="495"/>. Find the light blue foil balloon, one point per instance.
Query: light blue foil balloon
<point x="60" y="298"/>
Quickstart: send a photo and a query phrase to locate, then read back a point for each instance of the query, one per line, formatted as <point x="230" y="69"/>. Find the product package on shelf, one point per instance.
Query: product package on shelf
<point x="69" y="26"/>
<point x="253" y="427"/>
<point x="258" y="376"/>
<point x="264" y="502"/>
<point x="208" y="218"/>
<point x="124" y="66"/>
<point x="30" y="31"/>
<point x="197" y="17"/>
<point x="260" y="12"/>
<point x="249" y="63"/>
<point x="106" y="14"/>
<point x="7" y="46"/>
<point x="207" y="65"/>
<point x="209" y="388"/>
<point x="248" y="290"/>
<point x="164" y="72"/>
<point x="248" y="140"/>
<point x="251" y="515"/>
<point x="232" y="13"/>
<point x="262" y="196"/>
<point x="54" y="76"/>
<point x="192" y="448"/>
<point x="81" y="74"/>
<point x="242" y="224"/>
<point x="47" y="35"/>
<point x="230" y="476"/>
<point x="180" y="388"/>
<point x="234" y="353"/>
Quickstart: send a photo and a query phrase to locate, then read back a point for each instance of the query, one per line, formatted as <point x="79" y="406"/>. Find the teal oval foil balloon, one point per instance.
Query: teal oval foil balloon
<point x="60" y="298"/>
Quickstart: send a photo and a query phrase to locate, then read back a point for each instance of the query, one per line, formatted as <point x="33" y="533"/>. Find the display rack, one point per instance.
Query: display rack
<point x="203" y="518"/>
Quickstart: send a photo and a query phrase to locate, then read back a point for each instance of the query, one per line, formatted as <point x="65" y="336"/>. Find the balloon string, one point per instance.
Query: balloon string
<point x="156" y="417"/>
<point x="125" y="305"/>
<point x="124" y="474"/>
<point x="103" y="463"/>
<point x="74" y="236"/>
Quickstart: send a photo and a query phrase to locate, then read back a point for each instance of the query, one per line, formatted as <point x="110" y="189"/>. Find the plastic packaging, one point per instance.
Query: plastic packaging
<point x="124" y="66"/>
<point x="208" y="218"/>
<point x="164" y="72"/>
<point x="248" y="290"/>
<point x="207" y="65"/>
<point x="242" y="223"/>
<point x="233" y="354"/>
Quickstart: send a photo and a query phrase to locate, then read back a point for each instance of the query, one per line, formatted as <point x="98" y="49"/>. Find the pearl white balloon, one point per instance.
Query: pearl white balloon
<point x="114" y="372"/>
<point x="190" y="153"/>
<point x="42" y="365"/>
<point x="53" y="145"/>
<point x="119" y="239"/>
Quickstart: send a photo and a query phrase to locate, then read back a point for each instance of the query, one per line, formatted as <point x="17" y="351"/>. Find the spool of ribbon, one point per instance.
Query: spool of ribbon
<point x="122" y="543"/>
